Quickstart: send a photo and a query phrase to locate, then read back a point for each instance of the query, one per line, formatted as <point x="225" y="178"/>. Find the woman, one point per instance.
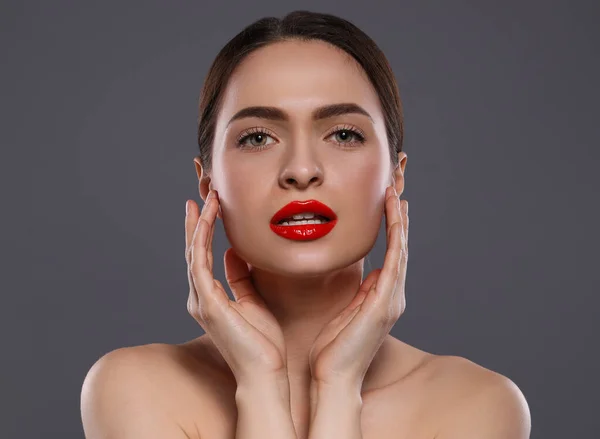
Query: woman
<point x="300" y="134"/>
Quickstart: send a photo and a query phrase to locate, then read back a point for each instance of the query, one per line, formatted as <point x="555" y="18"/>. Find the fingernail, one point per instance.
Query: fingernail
<point x="210" y="195"/>
<point x="187" y="207"/>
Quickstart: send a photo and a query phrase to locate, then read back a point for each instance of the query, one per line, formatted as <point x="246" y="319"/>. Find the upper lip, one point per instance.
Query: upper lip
<point x="296" y="207"/>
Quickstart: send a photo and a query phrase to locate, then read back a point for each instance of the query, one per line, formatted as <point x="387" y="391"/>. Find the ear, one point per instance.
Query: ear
<point x="204" y="182"/>
<point x="398" y="173"/>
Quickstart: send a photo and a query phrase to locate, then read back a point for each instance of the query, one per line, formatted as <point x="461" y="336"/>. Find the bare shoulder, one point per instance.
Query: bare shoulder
<point x="163" y="381"/>
<point x="445" y="397"/>
<point x="473" y="401"/>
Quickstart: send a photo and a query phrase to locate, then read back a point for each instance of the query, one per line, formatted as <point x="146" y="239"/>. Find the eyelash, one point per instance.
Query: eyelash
<point x="247" y="134"/>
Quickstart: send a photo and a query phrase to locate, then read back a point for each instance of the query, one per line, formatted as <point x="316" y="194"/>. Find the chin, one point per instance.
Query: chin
<point x="308" y="262"/>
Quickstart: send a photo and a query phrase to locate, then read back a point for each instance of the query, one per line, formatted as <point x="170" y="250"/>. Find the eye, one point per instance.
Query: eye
<point x="256" y="136"/>
<point x="345" y="133"/>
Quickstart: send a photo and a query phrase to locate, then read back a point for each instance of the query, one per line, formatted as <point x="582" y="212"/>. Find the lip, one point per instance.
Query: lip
<point x="305" y="232"/>
<point x="296" y="207"/>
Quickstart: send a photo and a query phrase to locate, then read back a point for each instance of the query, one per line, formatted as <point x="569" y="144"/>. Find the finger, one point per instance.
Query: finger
<point x="405" y="223"/>
<point x="392" y="264"/>
<point x="191" y="219"/>
<point x="202" y="277"/>
<point x="238" y="277"/>
<point x="370" y="280"/>
<point x="392" y="211"/>
<point x="209" y="214"/>
<point x="212" y="229"/>
<point x="191" y="222"/>
<point x="192" y="303"/>
<point x="398" y="299"/>
<point x="191" y="214"/>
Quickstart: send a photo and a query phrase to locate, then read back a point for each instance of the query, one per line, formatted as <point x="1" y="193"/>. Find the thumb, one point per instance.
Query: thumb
<point x="370" y="280"/>
<point x="238" y="277"/>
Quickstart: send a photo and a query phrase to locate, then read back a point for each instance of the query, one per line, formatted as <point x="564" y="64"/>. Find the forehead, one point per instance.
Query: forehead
<point x="298" y="76"/>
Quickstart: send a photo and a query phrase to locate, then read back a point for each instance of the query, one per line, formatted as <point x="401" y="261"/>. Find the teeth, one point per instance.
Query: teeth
<point x="302" y="222"/>
<point x="304" y="218"/>
<point x="301" y="216"/>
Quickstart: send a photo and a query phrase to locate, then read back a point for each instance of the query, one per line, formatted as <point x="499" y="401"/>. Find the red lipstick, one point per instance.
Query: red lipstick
<point x="304" y="232"/>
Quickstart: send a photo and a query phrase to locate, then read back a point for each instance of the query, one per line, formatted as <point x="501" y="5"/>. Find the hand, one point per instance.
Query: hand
<point x="245" y="331"/>
<point x="345" y="347"/>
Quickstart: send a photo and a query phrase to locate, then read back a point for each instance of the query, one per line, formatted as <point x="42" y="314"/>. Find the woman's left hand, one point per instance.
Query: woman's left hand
<point x="345" y="347"/>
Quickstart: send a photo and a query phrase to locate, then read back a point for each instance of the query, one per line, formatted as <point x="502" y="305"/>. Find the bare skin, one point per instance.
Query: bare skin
<point x="397" y="366"/>
<point x="406" y="392"/>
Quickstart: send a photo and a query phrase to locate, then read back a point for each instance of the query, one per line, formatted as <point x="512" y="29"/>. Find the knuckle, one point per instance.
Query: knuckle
<point x="390" y="315"/>
<point x="384" y="317"/>
<point x="202" y="223"/>
<point x="193" y="257"/>
<point x="188" y="254"/>
<point x="190" y="305"/>
<point x="198" y="308"/>
<point x="398" y="310"/>
<point x="204" y="313"/>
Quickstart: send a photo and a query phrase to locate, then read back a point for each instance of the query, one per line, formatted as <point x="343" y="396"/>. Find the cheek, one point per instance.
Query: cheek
<point x="367" y="181"/>
<point x="244" y="192"/>
<point x="240" y="182"/>
<point x="366" y="187"/>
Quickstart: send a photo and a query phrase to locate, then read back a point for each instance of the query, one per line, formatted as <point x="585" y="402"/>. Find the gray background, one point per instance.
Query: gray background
<point x="98" y="110"/>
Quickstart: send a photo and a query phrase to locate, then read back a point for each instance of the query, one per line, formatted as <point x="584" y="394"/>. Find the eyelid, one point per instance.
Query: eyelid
<point x="258" y="129"/>
<point x="253" y="130"/>
<point x="346" y="127"/>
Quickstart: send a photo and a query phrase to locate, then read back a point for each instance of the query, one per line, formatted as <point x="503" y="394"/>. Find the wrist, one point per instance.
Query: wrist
<point x="335" y="410"/>
<point x="345" y="393"/>
<point x="351" y="388"/>
<point x="274" y="384"/>
<point x="263" y="408"/>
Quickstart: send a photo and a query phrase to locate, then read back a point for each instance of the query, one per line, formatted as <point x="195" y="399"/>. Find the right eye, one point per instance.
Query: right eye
<point x="256" y="136"/>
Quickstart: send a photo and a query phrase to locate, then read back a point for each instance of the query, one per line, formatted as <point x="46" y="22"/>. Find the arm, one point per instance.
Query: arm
<point x="264" y="408"/>
<point x="335" y="412"/>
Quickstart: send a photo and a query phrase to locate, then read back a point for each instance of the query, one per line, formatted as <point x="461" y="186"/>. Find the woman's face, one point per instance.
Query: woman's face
<point x="300" y="158"/>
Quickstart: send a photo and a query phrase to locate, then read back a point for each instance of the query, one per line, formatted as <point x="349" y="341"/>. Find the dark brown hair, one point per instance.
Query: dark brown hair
<point x="303" y="26"/>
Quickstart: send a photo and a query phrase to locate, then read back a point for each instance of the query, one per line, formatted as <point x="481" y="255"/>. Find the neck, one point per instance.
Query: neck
<point x="304" y="305"/>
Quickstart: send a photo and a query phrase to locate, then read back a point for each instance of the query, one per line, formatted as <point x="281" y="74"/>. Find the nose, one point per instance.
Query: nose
<point x="301" y="171"/>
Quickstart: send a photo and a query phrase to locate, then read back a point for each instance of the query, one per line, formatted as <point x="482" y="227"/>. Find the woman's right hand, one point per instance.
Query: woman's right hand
<point x="244" y="330"/>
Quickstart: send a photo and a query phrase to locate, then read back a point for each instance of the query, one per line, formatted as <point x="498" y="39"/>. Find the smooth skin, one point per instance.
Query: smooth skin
<point x="245" y="331"/>
<point x="293" y="325"/>
<point x="248" y="335"/>
<point x="250" y="340"/>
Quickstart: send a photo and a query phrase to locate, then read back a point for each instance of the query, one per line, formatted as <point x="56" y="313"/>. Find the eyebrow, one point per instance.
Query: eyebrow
<point x="324" y="112"/>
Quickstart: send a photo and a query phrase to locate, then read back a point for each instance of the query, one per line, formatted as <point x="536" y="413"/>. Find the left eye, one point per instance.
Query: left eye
<point x="348" y="134"/>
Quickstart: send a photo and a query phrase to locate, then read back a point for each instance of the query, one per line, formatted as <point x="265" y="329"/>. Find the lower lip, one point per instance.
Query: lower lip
<point x="305" y="232"/>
